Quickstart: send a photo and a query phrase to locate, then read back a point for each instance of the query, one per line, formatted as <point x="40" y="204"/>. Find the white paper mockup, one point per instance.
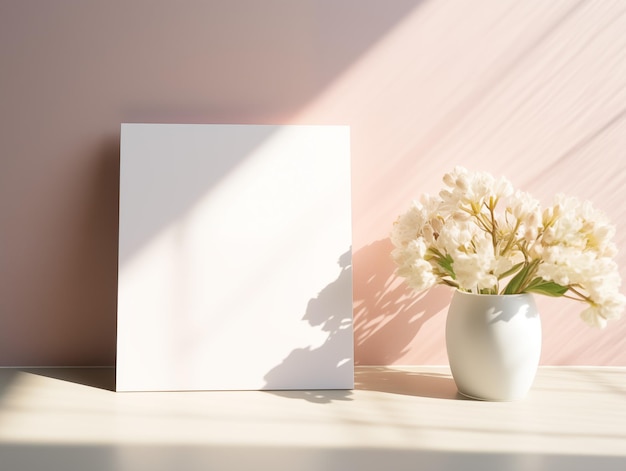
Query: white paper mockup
<point x="234" y="258"/>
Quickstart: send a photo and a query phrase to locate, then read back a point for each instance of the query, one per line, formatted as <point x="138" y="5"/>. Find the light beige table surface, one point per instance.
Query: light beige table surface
<point x="395" y="419"/>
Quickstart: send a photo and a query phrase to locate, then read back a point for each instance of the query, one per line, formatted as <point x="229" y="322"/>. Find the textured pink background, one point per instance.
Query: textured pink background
<point x="532" y="90"/>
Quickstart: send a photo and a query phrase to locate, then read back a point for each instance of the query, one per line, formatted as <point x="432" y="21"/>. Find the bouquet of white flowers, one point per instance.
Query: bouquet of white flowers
<point x="482" y="236"/>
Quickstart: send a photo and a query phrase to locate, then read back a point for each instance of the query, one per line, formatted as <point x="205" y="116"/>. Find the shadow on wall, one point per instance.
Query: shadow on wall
<point x="59" y="216"/>
<point x="59" y="307"/>
<point x="328" y="312"/>
<point x="97" y="260"/>
<point x="387" y="315"/>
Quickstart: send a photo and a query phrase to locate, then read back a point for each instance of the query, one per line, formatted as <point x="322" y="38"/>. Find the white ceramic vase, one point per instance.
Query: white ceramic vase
<point x="493" y="344"/>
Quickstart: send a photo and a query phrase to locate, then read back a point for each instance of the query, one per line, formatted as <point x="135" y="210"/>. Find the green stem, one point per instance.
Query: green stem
<point x="530" y="275"/>
<point x="511" y="240"/>
<point x="582" y="297"/>
<point x="493" y="227"/>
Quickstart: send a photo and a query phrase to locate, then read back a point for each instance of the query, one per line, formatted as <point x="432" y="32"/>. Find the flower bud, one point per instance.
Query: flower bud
<point x="448" y="179"/>
<point x="428" y="233"/>
<point x="460" y="216"/>
<point x="462" y="183"/>
<point x="436" y="223"/>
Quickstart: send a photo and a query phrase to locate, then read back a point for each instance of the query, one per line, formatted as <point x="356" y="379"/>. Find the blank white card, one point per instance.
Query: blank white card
<point x="235" y="266"/>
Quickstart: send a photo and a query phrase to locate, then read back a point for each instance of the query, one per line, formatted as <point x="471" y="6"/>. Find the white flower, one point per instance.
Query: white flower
<point x="474" y="270"/>
<point x="478" y="186"/>
<point x="566" y="265"/>
<point x="412" y="266"/>
<point x="573" y="223"/>
<point x="526" y="216"/>
<point x="455" y="236"/>
<point x="597" y="315"/>
<point x="407" y="226"/>
<point x="481" y="235"/>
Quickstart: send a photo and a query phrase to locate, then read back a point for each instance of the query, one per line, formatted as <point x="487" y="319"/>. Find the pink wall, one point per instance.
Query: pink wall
<point x="532" y="90"/>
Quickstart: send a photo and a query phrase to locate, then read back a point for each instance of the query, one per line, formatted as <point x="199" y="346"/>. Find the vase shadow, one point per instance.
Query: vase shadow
<point x="407" y="383"/>
<point x="386" y="318"/>
<point x="387" y="314"/>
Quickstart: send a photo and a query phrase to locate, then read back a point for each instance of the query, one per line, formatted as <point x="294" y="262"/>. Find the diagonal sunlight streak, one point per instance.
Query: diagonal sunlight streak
<point x="509" y="93"/>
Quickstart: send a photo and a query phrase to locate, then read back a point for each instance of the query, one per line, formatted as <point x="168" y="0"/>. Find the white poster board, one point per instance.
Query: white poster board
<point x="234" y="258"/>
